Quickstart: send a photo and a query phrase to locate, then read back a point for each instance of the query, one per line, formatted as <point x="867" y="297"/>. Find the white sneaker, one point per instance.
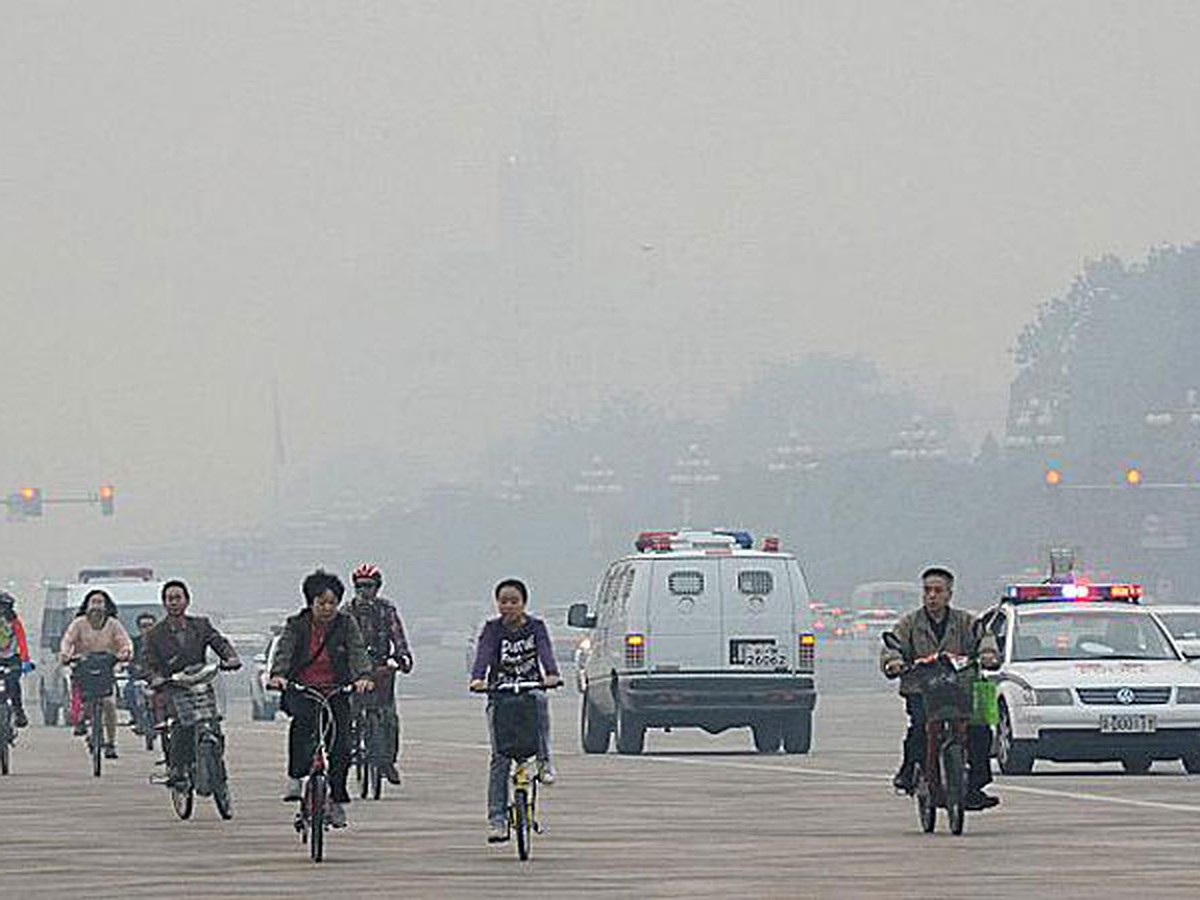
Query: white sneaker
<point x="293" y="791"/>
<point x="337" y="815"/>
<point x="545" y="772"/>
<point x="497" y="832"/>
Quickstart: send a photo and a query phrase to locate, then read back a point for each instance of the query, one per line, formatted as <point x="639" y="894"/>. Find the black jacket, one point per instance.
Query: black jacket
<point x="347" y="650"/>
<point x="166" y="651"/>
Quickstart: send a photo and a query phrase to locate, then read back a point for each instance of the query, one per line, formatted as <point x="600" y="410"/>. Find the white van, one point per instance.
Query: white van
<point x="135" y="591"/>
<point x="698" y="629"/>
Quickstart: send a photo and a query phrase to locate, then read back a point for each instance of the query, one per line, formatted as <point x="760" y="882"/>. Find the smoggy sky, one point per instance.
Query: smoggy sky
<point x="432" y="223"/>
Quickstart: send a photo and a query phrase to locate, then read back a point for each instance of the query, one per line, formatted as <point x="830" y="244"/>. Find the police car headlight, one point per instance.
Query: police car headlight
<point x="1052" y="696"/>
<point x="1187" y="695"/>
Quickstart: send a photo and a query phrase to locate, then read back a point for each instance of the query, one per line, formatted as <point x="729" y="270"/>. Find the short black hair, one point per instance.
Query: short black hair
<point x="513" y="583"/>
<point x="175" y="582"/>
<point x="142" y="617"/>
<point x="940" y="572"/>
<point x="318" y="583"/>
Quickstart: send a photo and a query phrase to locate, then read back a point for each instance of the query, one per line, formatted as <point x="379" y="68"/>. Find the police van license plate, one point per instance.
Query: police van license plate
<point x="757" y="654"/>
<point x="1131" y="723"/>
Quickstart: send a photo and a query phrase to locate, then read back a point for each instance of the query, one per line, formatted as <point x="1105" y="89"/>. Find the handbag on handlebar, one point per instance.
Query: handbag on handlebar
<point x="515" y="720"/>
<point x="985" y="704"/>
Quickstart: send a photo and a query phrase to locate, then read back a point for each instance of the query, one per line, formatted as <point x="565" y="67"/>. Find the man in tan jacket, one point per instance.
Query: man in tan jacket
<point x="936" y="628"/>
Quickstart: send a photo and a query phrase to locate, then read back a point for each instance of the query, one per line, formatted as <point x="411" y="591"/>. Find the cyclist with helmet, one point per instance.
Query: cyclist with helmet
<point x="14" y="655"/>
<point x="382" y="629"/>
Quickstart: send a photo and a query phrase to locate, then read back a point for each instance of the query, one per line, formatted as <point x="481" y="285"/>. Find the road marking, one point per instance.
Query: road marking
<point x="1082" y="796"/>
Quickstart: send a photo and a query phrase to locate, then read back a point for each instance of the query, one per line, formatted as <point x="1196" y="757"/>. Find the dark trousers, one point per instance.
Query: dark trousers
<point x="302" y="741"/>
<point x="12" y="681"/>
<point x="979" y="744"/>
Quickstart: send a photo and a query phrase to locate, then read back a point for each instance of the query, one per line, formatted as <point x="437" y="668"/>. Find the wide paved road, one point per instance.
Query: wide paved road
<point x="695" y="816"/>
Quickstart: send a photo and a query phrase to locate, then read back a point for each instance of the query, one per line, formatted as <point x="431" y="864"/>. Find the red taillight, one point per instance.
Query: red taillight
<point x="806" y="659"/>
<point x="635" y="651"/>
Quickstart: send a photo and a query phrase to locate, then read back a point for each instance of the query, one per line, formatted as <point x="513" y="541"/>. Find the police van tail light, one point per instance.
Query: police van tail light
<point x="808" y="652"/>
<point x="635" y="651"/>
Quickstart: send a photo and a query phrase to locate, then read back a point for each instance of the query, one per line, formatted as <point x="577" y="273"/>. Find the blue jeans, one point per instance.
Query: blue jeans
<point x="500" y="766"/>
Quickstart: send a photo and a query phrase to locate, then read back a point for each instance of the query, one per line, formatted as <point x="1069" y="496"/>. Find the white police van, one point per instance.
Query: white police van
<point x="698" y="629"/>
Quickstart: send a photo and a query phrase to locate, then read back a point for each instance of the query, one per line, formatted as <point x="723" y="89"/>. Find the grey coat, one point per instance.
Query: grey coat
<point x="916" y="635"/>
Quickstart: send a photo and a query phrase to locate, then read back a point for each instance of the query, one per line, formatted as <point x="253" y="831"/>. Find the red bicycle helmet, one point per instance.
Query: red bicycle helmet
<point x="367" y="572"/>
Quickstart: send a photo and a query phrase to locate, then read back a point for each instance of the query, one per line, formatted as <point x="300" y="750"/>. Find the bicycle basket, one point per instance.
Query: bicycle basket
<point x="948" y="693"/>
<point x="515" y="722"/>
<point x="194" y="704"/>
<point x="95" y="677"/>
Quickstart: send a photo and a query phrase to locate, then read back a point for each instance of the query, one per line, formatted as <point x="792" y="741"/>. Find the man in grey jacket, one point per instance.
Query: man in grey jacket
<point x="936" y="628"/>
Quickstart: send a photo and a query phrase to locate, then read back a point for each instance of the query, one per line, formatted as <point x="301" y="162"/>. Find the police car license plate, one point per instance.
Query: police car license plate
<point x="1131" y="723"/>
<point x="758" y="654"/>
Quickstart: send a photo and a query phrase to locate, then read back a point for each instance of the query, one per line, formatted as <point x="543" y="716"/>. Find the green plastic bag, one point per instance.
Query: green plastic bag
<point x="985" y="708"/>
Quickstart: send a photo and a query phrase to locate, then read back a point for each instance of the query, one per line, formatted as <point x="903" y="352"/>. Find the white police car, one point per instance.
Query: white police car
<point x="1090" y="675"/>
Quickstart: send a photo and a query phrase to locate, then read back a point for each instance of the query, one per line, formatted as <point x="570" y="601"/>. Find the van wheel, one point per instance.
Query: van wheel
<point x="1191" y="763"/>
<point x="631" y="732"/>
<point x="594" y="730"/>
<point x="49" y="713"/>
<point x="767" y="736"/>
<point x="1137" y="764"/>
<point x="797" y="733"/>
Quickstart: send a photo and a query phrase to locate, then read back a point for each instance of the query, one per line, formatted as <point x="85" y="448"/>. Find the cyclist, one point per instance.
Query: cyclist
<point x="514" y="647"/>
<point x="936" y="628"/>
<point x="177" y="642"/>
<point x="382" y="629"/>
<point x="96" y="629"/>
<point x="14" y="654"/>
<point x="136" y="670"/>
<point x="320" y="647"/>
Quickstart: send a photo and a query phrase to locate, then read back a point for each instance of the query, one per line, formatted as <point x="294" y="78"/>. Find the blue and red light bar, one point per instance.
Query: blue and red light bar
<point x="1071" y="592"/>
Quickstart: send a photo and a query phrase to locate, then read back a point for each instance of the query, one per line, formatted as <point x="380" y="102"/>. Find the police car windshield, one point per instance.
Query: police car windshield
<point x="1184" y="626"/>
<point x="1088" y="635"/>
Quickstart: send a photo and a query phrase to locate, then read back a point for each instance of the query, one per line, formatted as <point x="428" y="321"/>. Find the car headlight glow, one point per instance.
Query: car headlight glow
<point x="1052" y="696"/>
<point x="1187" y="694"/>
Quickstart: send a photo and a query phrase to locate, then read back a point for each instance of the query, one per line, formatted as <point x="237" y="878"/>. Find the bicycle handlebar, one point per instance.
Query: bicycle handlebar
<point x="516" y="687"/>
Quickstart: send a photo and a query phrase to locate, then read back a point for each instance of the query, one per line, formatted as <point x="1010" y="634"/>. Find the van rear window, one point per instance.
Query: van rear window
<point x="687" y="581"/>
<point x="755" y="582"/>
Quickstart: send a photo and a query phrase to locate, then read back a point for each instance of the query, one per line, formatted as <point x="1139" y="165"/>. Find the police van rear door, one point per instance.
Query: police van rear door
<point x="759" y="613"/>
<point x="685" y="615"/>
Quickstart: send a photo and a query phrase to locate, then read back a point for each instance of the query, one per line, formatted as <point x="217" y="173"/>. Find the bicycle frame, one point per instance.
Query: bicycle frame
<point x="310" y="821"/>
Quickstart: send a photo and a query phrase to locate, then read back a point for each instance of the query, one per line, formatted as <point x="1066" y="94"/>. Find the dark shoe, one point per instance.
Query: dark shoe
<point x="390" y="773"/>
<point x="80" y="728"/>
<point x="110" y="751"/>
<point x="977" y="800"/>
<point x="20" y="719"/>
<point x="904" y="781"/>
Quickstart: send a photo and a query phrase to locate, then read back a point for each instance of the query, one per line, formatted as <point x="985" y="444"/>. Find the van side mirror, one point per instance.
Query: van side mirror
<point x="891" y="641"/>
<point x="578" y="617"/>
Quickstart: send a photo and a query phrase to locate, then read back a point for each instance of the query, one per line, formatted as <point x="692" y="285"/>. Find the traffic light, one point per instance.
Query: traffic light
<point x="1133" y="476"/>
<point x="1053" y="476"/>
<point x="107" y="496"/>
<point x="31" y="501"/>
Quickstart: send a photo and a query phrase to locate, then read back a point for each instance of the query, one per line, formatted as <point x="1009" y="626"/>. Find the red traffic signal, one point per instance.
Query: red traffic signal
<point x="31" y="501"/>
<point x="107" y="496"/>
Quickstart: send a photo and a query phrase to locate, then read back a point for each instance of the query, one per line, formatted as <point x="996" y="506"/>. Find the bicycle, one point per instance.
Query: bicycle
<point x="312" y="818"/>
<point x="941" y="777"/>
<point x="139" y="698"/>
<point x="96" y="679"/>
<point x="8" y="734"/>
<point x="515" y="724"/>
<point x="194" y="703"/>
<point x="367" y="741"/>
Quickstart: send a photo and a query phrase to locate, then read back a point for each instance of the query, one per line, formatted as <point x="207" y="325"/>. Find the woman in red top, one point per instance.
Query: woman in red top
<point x="323" y="648"/>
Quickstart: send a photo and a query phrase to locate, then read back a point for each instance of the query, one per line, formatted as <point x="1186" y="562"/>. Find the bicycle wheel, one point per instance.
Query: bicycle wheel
<point x="315" y="798"/>
<point x="926" y="806"/>
<point x="97" y="746"/>
<point x="5" y="737"/>
<point x="521" y="823"/>
<point x="182" y="798"/>
<point x="357" y="742"/>
<point x="223" y="799"/>
<point x="374" y="757"/>
<point x="954" y="769"/>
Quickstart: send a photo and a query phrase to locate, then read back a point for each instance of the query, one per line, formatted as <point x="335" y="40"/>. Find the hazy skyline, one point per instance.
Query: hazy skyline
<point x="432" y="224"/>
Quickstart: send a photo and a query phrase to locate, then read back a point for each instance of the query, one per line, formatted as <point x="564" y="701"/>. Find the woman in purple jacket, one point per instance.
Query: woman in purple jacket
<point x="514" y="647"/>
